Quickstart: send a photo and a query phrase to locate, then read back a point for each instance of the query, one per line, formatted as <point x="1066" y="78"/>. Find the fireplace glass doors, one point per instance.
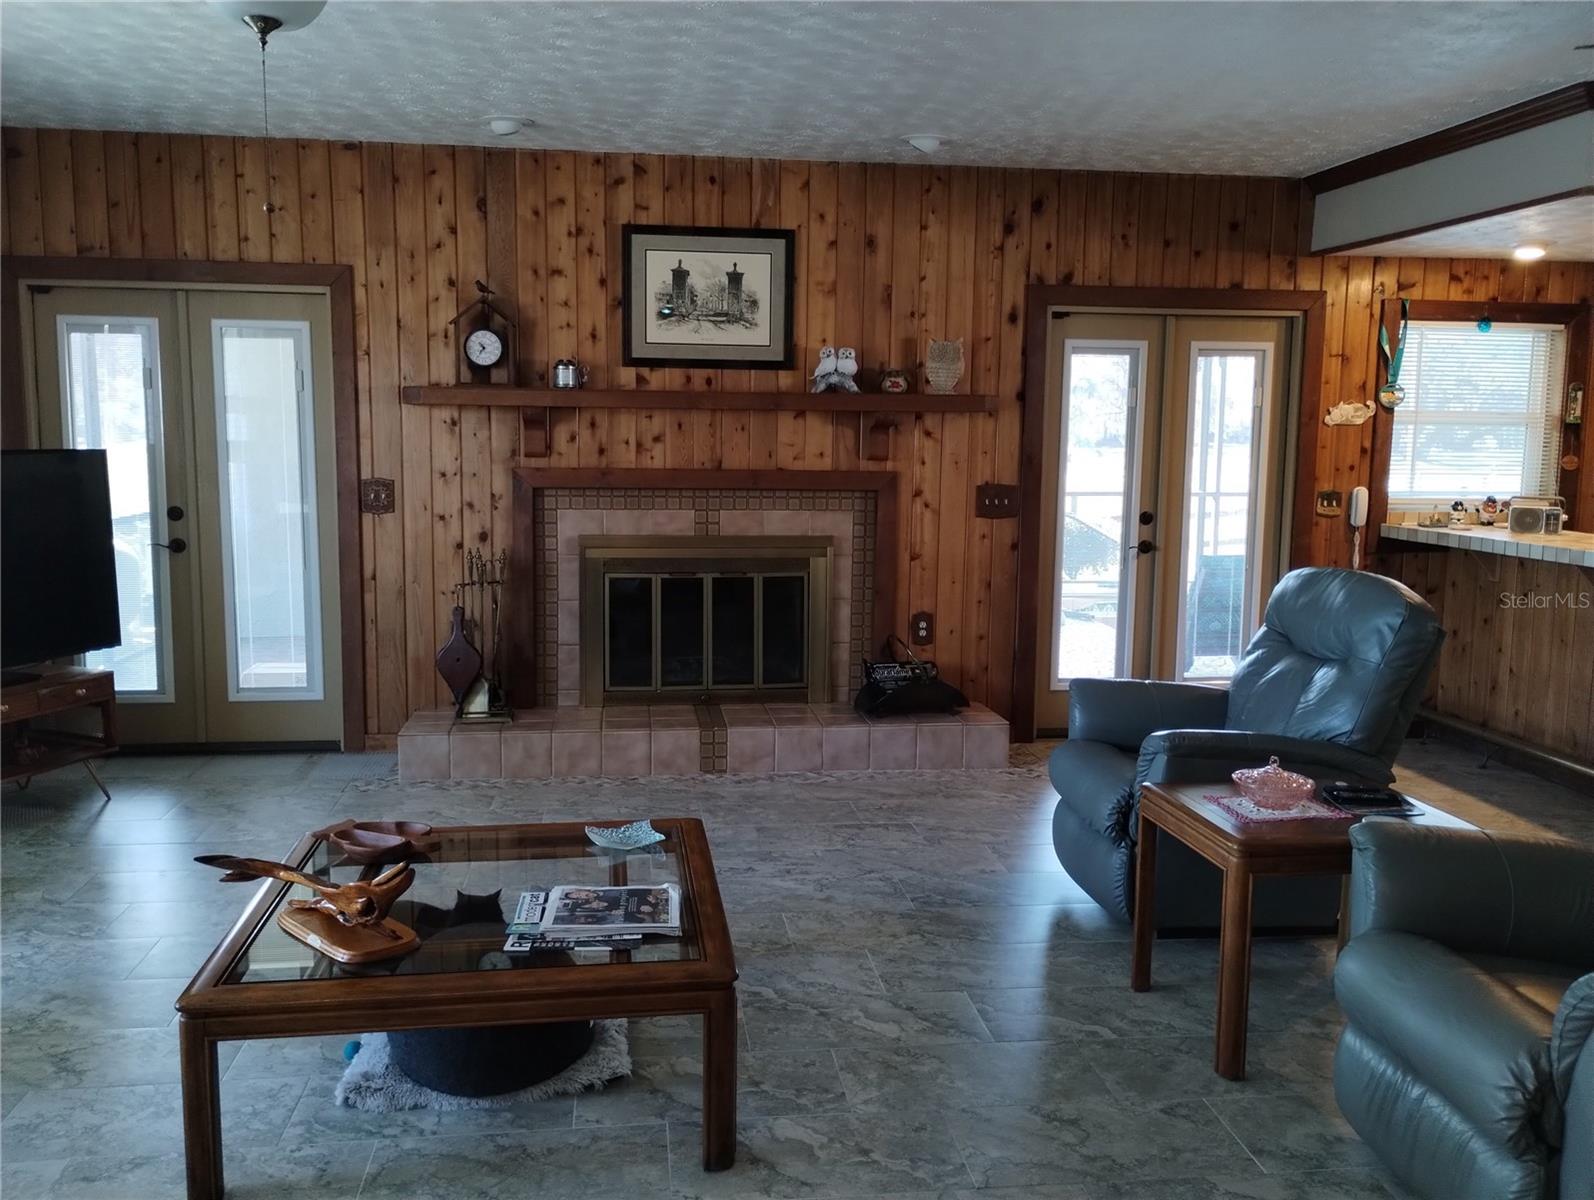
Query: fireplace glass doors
<point x="704" y="618"/>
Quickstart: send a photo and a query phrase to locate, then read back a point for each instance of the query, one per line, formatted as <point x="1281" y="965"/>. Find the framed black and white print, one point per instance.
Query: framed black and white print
<point x="707" y="297"/>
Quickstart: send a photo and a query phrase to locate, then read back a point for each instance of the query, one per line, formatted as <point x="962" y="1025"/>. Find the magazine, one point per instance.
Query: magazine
<point x="581" y="917"/>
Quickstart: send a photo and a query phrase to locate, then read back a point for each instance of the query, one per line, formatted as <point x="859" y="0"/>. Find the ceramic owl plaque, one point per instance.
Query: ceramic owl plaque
<point x="943" y="366"/>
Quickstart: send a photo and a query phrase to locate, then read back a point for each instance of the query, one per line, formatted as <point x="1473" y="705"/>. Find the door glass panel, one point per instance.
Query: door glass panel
<point x="1092" y="609"/>
<point x="1216" y="619"/>
<point x="111" y="392"/>
<point x="265" y="444"/>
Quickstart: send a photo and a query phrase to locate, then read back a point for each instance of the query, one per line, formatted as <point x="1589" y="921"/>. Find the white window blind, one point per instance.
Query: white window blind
<point x="1482" y="414"/>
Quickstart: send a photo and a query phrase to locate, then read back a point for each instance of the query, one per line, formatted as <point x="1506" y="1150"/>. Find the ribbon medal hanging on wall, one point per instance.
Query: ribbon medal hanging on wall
<point x="1391" y="394"/>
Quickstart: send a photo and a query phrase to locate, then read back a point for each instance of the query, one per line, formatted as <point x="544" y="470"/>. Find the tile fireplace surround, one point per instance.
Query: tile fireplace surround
<point x="553" y="736"/>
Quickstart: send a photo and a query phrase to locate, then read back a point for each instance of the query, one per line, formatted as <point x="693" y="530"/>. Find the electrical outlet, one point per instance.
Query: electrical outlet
<point x="996" y="500"/>
<point x="921" y="628"/>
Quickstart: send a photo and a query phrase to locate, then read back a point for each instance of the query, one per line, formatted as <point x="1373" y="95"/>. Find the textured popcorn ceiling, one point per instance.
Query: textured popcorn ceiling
<point x="1269" y="88"/>
<point x="1565" y="228"/>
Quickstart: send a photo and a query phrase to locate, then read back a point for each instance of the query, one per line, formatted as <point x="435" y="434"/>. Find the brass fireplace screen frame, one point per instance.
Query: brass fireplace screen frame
<point x="661" y="556"/>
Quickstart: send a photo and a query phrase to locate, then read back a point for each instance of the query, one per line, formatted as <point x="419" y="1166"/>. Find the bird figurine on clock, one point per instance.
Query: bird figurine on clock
<point x="487" y="341"/>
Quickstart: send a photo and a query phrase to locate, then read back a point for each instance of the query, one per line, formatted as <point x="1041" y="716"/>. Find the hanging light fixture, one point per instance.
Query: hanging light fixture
<point x="284" y="15"/>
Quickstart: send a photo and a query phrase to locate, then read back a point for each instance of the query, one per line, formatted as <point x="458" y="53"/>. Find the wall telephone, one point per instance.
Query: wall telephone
<point x="1356" y="510"/>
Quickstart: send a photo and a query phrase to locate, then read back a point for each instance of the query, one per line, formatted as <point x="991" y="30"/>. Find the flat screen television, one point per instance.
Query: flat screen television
<point x="57" y="558"/>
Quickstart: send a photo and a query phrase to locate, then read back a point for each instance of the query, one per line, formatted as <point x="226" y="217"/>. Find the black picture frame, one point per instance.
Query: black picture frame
<point x="777" y="352"/>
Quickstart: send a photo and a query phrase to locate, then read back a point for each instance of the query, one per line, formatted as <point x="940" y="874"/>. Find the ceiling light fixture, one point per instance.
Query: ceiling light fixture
<point x="924" y="143"/>
<point x="1528" y="253"/>
<point x="508" y="126"/>
<point x="284" y="15"/>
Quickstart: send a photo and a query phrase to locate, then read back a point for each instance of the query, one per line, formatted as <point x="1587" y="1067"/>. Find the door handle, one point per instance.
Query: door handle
<point x="1143" y="546"/>
<point x="176" y="545"/>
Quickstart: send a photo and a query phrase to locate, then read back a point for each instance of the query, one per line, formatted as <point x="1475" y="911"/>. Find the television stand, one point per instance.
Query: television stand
<point x="28" y="751"/>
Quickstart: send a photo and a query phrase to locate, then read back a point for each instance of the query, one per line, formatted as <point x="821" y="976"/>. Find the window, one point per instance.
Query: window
<point x="1482" y="414"/>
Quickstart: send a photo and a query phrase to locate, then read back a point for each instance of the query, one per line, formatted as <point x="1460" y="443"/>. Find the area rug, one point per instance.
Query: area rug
<point x="373" y="1083"/>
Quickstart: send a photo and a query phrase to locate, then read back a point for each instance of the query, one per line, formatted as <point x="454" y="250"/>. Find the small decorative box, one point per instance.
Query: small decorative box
<point x="1274" y="787"/>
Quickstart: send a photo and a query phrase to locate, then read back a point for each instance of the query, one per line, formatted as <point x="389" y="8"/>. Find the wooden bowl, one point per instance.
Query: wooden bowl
<point x="374" y="841"/>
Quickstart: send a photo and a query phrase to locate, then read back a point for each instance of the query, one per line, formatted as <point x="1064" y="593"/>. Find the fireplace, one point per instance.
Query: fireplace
<point x="705" y="618"/>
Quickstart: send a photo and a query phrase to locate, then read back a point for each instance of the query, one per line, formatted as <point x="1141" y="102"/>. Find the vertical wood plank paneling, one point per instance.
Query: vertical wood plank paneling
<point x="592" y="317"/>
<point x="791" y="427"/>
<point x="924" y="542"/>
<point x="346" y="173"/>
<point x="442" y="305"/>
<point x="708" y="206"/>
<point x="1125" y="230"/>
<point x="887" y="256"/>
<point x="221" y="200"/>
<point x="91" y="206"/>
<point x="823" y="182"/>
<point x="503" y="277"/>
<point x="559" y="206"/>
<point x="123" y="222"/>
<point x="394" y="602"/>
<point x="1009" y="391"/>
<point x="315" y="201"/>
<point x="736" y="212"/>
<point x="59" y="211"/>
<point x="647" y="208"/>
<point x="407" y="189"/>
<point x="24" y="205"/>
<point x="253" y="172"/>
<point x="282" y="194"/>
<point x="190" y="212"/>
<point x="475" y="424"/>
<point x="159" y="235"/>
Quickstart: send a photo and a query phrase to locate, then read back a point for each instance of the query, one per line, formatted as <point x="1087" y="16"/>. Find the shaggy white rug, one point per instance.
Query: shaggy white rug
<point x="372" y="1082"/>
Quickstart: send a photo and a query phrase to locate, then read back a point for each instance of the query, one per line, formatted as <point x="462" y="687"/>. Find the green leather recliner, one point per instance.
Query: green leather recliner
<point x="1469" y="1001"/>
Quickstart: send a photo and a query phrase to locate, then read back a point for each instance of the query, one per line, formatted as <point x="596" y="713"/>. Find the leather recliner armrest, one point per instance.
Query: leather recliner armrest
<point x="1477" y="892"/>
<point x="1196" y="755"/>
<point x="1121" y="712"/>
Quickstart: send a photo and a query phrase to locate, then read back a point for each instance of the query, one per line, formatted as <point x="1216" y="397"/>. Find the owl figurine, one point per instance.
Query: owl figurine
<point x="836" y="370"/>
<point x="825" y="369"/>
<point x="943" y="366"/>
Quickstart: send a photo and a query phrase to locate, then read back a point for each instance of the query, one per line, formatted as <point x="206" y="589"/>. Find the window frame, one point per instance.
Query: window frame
<point x="1575" y="317"/>
<point x="1550" y="427"/>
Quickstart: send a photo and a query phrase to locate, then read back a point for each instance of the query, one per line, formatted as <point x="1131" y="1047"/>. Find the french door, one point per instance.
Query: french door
<point x="1162" y="486"/>
<point x="215" y="409"/>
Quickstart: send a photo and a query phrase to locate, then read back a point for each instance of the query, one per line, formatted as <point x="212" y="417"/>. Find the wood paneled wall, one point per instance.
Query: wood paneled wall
<point x="887" y="256"/>
<point x="1519" y="650"/>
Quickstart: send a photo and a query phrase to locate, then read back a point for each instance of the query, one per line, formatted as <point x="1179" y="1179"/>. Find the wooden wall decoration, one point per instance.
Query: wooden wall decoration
<point x="887" y="257"/>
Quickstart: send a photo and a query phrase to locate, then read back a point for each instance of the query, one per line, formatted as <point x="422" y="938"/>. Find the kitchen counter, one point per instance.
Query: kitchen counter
<point x="1574" y="549"/>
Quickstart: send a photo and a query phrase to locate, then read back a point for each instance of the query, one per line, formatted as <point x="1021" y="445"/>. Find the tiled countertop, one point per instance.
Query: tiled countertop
<point x="1575" y="549"/>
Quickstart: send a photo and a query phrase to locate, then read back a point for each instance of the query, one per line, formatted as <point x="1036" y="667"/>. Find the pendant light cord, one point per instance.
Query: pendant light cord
<point x="265" y="106"/>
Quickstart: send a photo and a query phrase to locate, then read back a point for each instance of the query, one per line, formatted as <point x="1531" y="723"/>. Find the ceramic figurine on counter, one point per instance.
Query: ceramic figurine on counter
<point x="1488" y="510"/>
<point x="1458" y="512"/>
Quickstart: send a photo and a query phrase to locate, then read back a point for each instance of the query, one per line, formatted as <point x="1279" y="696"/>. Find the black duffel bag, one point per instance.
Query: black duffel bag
<point x="895" y="688"/>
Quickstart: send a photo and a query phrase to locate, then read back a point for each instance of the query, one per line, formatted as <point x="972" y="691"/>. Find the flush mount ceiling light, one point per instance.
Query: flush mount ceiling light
<point x="1528" y="253"/>
<point x="508" y="126"/>
<point x="924" y="143"/>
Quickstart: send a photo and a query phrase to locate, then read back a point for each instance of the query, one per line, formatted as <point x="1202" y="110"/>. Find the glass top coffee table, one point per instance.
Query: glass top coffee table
<point x="261" y="983"/>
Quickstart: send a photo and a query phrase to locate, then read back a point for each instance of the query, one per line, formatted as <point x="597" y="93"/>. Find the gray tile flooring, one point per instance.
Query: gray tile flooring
<point x="930" y="1009"/>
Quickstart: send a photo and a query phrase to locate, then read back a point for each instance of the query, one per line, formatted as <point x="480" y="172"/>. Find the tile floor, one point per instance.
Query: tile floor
<point x="931" y="1010"/>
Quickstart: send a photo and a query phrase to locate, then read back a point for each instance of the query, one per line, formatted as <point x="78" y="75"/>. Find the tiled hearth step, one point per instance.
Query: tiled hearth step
<point x="684" y="739"/>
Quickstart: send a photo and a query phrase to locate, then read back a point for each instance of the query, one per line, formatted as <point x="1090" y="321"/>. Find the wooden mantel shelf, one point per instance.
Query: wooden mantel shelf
<point x="842" y="402"/>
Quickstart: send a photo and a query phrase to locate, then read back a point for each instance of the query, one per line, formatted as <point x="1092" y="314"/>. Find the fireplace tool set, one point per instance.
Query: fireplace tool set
<point x="470" y="662"/>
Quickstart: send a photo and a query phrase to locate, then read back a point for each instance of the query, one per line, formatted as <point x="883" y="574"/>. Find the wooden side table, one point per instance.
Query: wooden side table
<point x="1242" y="851"/>
<point x="30" y="752"/>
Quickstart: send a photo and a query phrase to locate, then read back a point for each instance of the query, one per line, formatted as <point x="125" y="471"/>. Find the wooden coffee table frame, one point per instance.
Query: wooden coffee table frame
<point x="212" y="1012"/>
